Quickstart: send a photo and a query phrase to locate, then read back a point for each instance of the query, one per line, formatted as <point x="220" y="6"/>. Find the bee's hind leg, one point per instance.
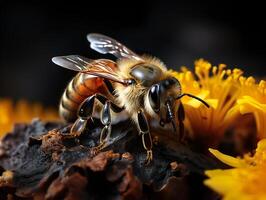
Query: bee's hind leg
<point x="106" y="131"/>
<point x="84" y="114"/>
<point x="146" y="136"/>
<point x="106" y="121"/>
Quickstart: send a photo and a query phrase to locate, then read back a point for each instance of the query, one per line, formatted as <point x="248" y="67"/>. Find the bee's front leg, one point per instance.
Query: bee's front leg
<point x="146" y="135"/>
<point x="181" y="118"/>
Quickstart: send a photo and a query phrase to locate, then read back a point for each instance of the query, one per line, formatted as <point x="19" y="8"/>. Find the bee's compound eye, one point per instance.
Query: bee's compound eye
<point x="154" y="98"/>
<point x="147" y="74"/>
<point x="170" y="82"/>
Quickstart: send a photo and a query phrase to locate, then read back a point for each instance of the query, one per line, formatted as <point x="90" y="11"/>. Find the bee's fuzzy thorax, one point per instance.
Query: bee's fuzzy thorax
<point x="130" y="97"/>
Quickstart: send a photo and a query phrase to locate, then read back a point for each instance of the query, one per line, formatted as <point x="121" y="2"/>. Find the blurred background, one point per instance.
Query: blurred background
<point x="177" y="32"/>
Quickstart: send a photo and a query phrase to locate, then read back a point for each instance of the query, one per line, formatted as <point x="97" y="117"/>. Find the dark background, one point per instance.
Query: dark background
<point x="177" y="32"/>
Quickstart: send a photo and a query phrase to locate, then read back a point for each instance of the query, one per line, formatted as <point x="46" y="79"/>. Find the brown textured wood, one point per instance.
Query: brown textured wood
<point x="46" y="164"/>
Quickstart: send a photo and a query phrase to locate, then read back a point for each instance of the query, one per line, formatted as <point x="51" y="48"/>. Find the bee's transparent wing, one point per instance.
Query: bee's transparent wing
<point x="72" y="62"/>
<point x="99" y="68"/>
<point x="104" y="44"/>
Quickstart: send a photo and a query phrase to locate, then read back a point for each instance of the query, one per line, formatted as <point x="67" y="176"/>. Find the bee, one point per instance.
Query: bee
<point x="141" y="87"/>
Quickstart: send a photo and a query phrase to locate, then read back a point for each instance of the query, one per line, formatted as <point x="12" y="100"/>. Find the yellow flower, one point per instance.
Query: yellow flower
<point x="253" y="100"/>
<point x="22" y="112"/>
<point x="230" y="96"/>
<point x="246" y="181"/>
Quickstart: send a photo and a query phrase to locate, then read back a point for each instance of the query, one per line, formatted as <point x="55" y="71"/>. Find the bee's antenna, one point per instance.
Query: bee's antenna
<point x="192" y="96"/>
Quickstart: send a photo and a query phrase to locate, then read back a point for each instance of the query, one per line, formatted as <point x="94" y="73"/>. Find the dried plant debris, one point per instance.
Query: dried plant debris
<point x="41" y="161"/>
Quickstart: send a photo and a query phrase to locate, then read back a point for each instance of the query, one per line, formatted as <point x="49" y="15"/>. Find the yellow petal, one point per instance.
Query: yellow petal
<point x="261" y="146"/>
<point x="213" y="103"/>
<point x="248" y="104"/>
<point x="229" y="160"/>
<point x="196" y="103"/>
<point x="221" y="181"/>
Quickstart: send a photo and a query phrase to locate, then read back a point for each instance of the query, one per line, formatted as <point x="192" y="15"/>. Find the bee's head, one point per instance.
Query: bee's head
<point x="160" y="89"/>
<point x="162" y="96"/>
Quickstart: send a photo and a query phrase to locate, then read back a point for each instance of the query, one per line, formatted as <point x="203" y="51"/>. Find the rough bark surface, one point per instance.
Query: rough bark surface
<point x="40" y="161"/>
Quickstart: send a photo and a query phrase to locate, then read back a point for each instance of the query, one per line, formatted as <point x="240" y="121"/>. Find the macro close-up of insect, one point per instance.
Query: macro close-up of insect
<point x="141" y="101"/>
<point x="138" y="87"/>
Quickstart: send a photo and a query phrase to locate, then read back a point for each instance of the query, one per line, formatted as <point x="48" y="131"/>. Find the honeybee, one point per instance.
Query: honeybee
<point x="139" y="86"/>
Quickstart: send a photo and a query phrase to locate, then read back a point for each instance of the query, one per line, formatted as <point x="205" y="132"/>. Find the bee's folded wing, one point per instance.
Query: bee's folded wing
<point x="103" y="68"/>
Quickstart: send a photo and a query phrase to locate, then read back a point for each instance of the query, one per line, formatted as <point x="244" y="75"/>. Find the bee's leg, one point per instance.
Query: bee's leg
<point x="84" y="114"/>
<point x="106" y="121"/>
<point x="170" y="116"/>
<point x="181" y="118"/>
<point x="109" y="87"/>
<point x="86" y="110"/>
<point x="146" y="135"/>
<point x="113" y="106"/>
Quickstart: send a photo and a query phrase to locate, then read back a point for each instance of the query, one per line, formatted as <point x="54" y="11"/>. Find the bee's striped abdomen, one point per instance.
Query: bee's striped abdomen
<point x="79" y="88"/>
